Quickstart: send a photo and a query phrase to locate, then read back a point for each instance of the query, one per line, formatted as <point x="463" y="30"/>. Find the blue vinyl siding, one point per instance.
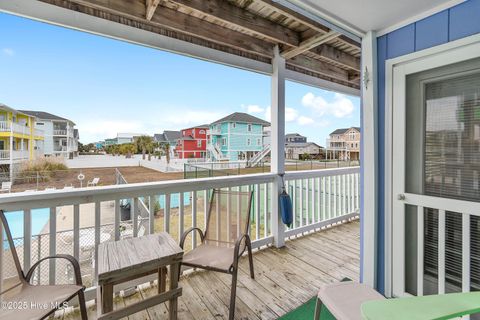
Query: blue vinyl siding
<point x="464" y="19"/>
<point x="432" y="31"/>
<point x="237" y="136"/>
<point x="401" y="41"/>
<point x="454" y="23"/>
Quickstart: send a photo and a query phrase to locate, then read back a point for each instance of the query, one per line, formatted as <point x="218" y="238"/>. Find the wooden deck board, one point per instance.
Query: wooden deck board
<point x="284" y="279"/>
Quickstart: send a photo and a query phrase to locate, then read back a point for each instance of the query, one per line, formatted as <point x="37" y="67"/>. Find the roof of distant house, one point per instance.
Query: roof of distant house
<point x="167" y="135"/>
<point x="242" y="117"/>
<point x="343" y="130"/>
<point x="301" y="145"/>
<point x="129" y="135"/>
<point x="293" y="135"/>
<point x="186" y="138"/>
<point x="44" y="115"/>
<point x="202" y="126"/>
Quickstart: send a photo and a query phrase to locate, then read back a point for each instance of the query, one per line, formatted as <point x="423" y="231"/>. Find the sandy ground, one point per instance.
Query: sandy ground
<point x="61" y="179"/>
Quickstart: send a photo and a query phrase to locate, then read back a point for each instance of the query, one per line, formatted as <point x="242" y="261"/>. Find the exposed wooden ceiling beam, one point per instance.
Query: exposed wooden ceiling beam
<point x="171" y="23"/>
<point x="228" y="13"/>
<point x="173" y="20"/>
<point x="309" y="43"/>
<point x="198" y="27"/>
<point x="316" y="26"/>
<point x="151" y="7"/>
<point x="320" y="67"/>
<point x="330" y="53"/>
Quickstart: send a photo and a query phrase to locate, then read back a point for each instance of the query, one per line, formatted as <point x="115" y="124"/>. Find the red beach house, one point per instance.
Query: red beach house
<point x="192" y="143"/>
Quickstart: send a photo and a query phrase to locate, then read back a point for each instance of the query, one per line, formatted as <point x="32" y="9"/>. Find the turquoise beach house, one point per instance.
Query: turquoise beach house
<point x="238" y="136"/>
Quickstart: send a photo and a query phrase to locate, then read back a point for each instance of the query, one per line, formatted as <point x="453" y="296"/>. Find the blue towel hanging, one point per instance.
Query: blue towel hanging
<point x="286" y="207"/>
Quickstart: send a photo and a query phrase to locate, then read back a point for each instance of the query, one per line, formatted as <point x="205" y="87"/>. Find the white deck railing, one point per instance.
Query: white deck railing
<point x="8" y="126"/>
<point x="321" y="197"/>
<point x="15" y="154"/>
<point x="60" y="132"/>
<point x="5" y="126"/>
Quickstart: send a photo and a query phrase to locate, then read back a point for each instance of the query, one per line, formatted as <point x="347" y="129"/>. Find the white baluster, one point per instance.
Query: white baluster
<point x="420" y="249"/>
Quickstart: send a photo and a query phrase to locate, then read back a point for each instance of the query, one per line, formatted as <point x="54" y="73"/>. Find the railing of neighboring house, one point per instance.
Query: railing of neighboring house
<point x="320" y="198"/>
<point x="4" y="154"/>
<point x="5" y="126"/>
<point x="59" y="132"/>
<point x="20" y="154"/>
<point x="20" y="128"/>
<point x="15" y="154"/>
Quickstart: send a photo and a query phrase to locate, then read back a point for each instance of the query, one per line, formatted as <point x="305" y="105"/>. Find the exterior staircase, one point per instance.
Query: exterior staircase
<point x="216" y="153"/>
<point x="259" y="156"/>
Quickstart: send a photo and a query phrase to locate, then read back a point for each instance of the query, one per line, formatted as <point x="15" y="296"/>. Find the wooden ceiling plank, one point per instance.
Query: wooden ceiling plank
<point x="182" y="23"/>
<point x="198" y="27"/>
<point x="229" y="13"/>
<point x="330" y="53"/>
<point x="316" y="26"/>
<point x="320" y="67"/>
<point x="151" y="7"/>
<point x="309" y="43"/>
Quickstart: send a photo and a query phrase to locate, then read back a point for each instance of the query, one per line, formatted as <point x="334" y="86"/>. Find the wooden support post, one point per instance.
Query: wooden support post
<point x="368" y="211"/>
<point x="278" y="143"/>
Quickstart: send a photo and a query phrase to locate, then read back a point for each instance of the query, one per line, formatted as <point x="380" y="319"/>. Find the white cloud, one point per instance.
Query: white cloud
<point x="291" y="114"/>
<point x="8" y="52"/>
<point x="302" y="120"/>
<point x="339" y="107"/>
<point x="253" y="108"/>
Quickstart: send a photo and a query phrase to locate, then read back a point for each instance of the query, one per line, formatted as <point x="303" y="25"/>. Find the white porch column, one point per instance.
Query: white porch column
<point x="11" y="151"/>
<point x="369" y="164"/>
<point x="277" y="143"/>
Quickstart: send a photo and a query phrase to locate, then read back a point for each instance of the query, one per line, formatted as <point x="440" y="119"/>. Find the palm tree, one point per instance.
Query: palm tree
<point x="143" y="143"/>
<point x="128" y="149"/>
<point x="166" y="149"/>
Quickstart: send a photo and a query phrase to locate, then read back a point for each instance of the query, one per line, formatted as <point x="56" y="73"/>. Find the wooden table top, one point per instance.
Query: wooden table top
<point x="127" y="257"/>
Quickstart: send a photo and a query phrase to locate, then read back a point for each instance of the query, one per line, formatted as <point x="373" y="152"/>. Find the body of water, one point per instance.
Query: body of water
<point x="40" y="218"/>
<point x="175" y="200"/>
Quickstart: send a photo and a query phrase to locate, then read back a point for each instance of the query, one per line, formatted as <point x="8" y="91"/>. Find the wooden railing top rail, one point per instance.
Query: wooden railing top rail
<point x="292" y="175"/>
<point x="55" y="198"/>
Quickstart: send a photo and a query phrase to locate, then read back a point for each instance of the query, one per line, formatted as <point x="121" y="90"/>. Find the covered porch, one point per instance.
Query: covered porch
<point x="285" y="279"/>
<point x="406" y="234"/>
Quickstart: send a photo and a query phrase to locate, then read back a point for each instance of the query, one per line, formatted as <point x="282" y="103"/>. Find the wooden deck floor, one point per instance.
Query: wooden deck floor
<point x="284" y="279"/>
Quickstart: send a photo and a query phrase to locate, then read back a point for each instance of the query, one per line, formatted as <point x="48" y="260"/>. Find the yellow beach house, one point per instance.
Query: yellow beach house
<point x="19" y="140"/>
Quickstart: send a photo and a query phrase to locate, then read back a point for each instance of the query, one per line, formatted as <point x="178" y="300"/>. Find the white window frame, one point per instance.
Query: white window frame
<point x="234" y="124"/>
<point x="249" y="142"/>
<point x="395" y="77"/>
<point x="249" y="127"/>
<point x="199" y="143"/>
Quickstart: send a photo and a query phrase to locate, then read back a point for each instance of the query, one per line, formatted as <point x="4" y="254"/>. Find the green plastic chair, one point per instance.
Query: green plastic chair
<point x="433" y="307"/>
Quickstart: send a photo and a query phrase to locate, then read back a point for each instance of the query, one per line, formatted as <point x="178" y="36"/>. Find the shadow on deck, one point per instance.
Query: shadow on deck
<point x="284" y="279"/>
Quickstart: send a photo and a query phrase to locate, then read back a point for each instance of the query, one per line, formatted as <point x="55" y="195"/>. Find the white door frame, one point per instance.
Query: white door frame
<point x="396" y="72"/>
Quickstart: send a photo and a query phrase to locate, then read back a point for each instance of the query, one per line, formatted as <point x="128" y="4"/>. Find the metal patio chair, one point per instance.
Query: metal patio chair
<point x="22" y="300"/>
<point x="225" y="238"/>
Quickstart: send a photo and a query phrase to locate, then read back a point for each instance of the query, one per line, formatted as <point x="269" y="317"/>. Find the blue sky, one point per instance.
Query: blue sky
<point x="107" y="86"/>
